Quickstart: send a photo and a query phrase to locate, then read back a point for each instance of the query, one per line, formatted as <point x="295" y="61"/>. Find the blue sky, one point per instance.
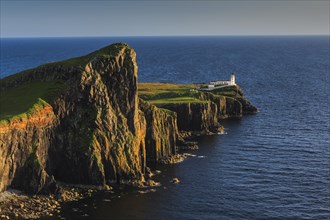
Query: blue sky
<point x="50" y="18"/>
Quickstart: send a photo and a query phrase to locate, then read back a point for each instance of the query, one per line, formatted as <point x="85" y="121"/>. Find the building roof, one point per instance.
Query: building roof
<point x="221" y="81"/>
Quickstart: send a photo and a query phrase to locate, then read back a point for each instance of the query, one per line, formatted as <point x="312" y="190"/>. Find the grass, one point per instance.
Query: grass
<point x="167" y="111"/>
<point x="164" y="93"/>
<point x="231" y="91"/>
<point x="222" y="90"/>
<point x="23" y="98"/>
<point x="176" y="100"/>
<point x="152" y="87"/>
<point x="109" y="51"/>
<point x="81" y="61"/>
<point x="157" y="93"/>
<point x="18" y="100"/>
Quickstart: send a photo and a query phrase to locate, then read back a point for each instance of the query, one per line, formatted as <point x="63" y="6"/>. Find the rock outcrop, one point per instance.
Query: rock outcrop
<point x="204" y="116"/>
<point x="162" y="132"/>
<point x="95" y="133"/>
<point x="235" y="95"/>
<point x="198" y="116"/>
<point x="23" y="151"/>
<point x="101" y="135"/>
<point x="226" y="107"/>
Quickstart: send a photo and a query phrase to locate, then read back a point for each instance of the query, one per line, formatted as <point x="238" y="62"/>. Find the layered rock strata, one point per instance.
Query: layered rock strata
<point x="162" y="132"/>
<point x="95" y="133"/>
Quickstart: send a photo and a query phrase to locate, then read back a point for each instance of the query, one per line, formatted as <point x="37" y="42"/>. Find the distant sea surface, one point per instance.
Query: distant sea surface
<point x="272" y="165"/>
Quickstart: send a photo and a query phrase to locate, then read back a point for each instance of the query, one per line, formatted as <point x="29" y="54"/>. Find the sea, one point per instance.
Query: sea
<point x="272" y="165"/>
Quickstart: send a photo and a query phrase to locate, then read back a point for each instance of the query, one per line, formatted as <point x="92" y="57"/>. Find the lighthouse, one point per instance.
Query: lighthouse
<point x="232" y="79"/>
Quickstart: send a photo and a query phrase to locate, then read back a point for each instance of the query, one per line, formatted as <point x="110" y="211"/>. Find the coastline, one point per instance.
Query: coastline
<point x="158" y="123"/>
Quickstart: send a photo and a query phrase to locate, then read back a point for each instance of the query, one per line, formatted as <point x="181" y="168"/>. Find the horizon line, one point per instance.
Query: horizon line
<point x="116" y="36"/>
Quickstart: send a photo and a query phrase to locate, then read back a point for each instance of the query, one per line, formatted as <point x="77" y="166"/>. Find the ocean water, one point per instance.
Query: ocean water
<point x="272" y="165"/>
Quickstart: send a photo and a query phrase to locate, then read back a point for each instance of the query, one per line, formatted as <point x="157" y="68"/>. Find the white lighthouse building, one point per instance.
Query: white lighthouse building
<point x="230" y="82"/>
<point x="232" y="79"/>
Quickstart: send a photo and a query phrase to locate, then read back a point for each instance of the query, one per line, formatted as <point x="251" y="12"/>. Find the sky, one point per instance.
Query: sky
<point x="50" y="18"/>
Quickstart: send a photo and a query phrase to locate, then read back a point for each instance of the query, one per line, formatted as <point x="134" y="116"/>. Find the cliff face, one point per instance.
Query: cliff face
<point x="199" y="116"/>
<point x="101" y="135"/>
<point x="24" y="148"/>
<point x="235" y="95"/>
<point x="93" y="134"/>
<point x="233" y="108"/>
<point x="161" y="133"/>
<point x="247" y="107"/>
<point x="227" y="107"/>
<point x="204" y="116"/>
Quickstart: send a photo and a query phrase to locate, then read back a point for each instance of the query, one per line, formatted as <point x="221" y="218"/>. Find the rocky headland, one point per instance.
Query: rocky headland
<point x="88" y="122"/>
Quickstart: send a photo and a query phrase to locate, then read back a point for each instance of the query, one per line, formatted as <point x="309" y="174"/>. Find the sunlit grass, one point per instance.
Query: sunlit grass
<point x="20" y="99"/>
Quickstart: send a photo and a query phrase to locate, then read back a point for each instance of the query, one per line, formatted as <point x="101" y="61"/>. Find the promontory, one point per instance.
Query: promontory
<point x="88" y="121"/>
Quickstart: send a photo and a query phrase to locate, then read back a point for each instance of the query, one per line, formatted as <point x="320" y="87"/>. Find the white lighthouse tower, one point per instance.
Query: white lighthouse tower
<point x="232" y="79"/>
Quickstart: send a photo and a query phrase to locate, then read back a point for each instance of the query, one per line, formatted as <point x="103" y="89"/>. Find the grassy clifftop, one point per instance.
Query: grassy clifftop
<point x="112" y="50"/>
<point x="17" y="100"/>
<point x="25" y="90"/>
<point x="164" y="93"/>
<point x="159" y="93"/>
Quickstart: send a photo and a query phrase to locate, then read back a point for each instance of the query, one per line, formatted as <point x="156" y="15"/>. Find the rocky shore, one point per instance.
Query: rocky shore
<point x="17" y="205"/>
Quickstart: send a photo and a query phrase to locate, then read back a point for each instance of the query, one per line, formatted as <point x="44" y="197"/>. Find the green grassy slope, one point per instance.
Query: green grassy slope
<point x="20" y="99"/>
<point x="108" y="51"/>
<point x="232" y="91"/>
<point x="162" y="93"/>
<point x="159" y="93"/>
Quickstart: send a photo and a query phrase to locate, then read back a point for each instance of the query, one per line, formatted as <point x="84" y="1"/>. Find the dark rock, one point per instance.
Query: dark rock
<point x="161" y="132"/>
<point x="92" y="133"/>
<point x="175" y="181"/>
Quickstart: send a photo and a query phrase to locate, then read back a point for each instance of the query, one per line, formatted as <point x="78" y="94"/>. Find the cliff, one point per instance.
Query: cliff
<point x="162" y="132"/>
<point x="195" y="116"/>
<point x="100" y="138"/>
<point x="235" y="94"/>
<point x="23" y="153"/>
<point x="84" y="121"/>
<point x="94" y="134"/>
<point x="199" y="112"/>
